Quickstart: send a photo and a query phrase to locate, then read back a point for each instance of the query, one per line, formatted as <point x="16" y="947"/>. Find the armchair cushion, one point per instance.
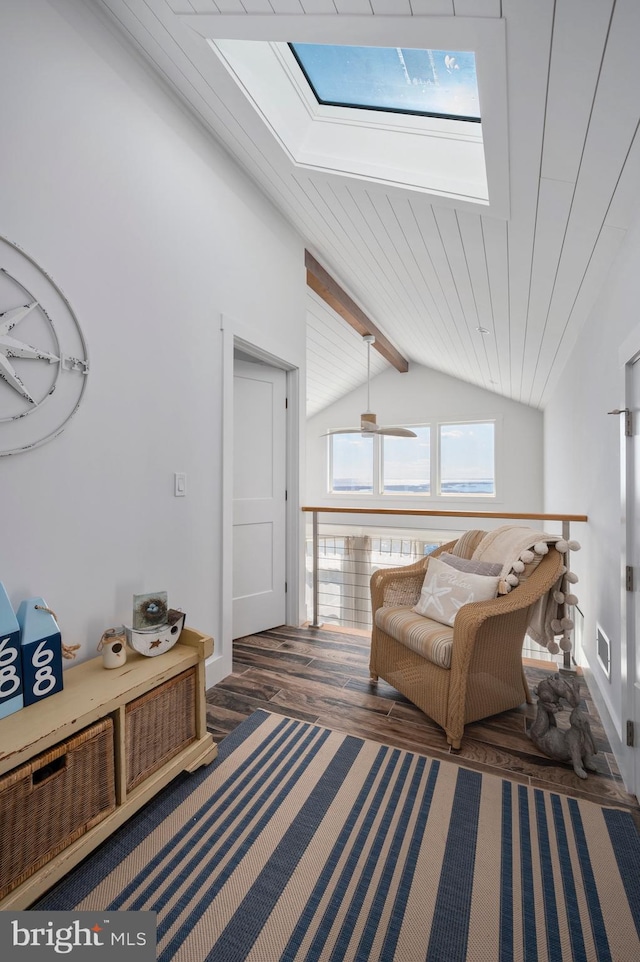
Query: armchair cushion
<point x="445" y="590"/>
<point x="427" y="638"/>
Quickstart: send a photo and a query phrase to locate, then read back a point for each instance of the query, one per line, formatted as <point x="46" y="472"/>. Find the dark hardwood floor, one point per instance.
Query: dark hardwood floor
<point x="322" y="675"/>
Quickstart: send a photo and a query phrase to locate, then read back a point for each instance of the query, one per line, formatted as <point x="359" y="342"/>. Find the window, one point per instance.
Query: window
<point x="467" y="459"/>
<point x="406" y="463"/>
<point x="430" y="83"/>
<point x="463" y="465"/>
<point x="351" y="468"/>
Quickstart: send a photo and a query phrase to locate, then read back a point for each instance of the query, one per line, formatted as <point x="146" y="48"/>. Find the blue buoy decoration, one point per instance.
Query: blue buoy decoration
<point x="41" y="644"/>
<point x="11" y="691"/>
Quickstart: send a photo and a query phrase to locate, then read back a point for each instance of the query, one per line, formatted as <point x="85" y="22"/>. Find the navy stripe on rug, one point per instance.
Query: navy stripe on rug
<point x="528" y="905"/>
<point x="506" y="877"/>
<point x="450" y="927"/>
<point x="548" y="884"/>
<point x="627" y="852"/>
<point x="568" y="882"/>
<point x="596" y="919"/>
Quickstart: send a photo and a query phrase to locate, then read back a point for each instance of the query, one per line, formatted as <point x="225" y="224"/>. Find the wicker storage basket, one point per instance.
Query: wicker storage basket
<point x="159" y="725"/>
<point x="51" y="801"/>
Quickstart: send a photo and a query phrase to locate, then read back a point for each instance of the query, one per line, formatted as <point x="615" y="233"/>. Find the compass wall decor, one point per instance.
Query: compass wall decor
<point x="43" y="355"/>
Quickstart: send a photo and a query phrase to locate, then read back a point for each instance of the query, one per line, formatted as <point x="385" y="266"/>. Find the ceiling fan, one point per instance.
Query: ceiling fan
<point x="368" y="424"/>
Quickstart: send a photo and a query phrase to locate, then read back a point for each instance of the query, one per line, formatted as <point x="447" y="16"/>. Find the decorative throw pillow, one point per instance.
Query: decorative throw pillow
<point x="471" y="564"/>
<point x="467" y="543"/>
<point x="445" y="590"/>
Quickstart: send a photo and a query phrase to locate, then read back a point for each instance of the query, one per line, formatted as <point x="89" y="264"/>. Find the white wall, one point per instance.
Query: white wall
<point x="583" y="451"/>
<point x="153" y="234"/>
<point x="425" y="396"/>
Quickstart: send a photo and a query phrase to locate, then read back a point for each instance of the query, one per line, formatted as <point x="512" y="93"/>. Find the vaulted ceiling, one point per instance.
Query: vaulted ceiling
<point x="430" y="270"/>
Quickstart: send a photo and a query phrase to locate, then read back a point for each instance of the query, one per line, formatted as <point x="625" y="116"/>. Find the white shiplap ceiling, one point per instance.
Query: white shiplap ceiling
<point x="427" y="272"/>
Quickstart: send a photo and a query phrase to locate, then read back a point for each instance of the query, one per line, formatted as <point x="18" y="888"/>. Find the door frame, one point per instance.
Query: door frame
<point x="629" y="482"/>
<point x="628" y="354"/>
<point x="259" y="497"/>
<point x="238" y="336"/>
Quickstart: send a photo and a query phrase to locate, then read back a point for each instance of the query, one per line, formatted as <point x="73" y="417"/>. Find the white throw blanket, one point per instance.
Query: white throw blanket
<point x="517" y="547"/>
<point x="506" y="545"/>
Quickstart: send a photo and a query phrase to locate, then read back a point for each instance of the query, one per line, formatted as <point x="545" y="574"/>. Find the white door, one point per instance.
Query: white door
<point x="259" y="513"/>
<point x="634" y="558"/>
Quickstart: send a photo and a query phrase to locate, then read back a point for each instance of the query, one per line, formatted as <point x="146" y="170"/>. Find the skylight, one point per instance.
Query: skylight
<point x="429" y="83"/>
<point x="457" y="152"/>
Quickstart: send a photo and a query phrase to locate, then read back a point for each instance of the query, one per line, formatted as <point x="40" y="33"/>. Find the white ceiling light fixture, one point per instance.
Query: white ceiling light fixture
<point x="368" y="422"/>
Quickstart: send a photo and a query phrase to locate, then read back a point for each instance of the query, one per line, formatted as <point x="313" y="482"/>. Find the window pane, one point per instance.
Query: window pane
<point x="436" y="83"/>
<point x="406" y="463"/>
<point x="467" y="463"/>
<point x="352" y="463"/>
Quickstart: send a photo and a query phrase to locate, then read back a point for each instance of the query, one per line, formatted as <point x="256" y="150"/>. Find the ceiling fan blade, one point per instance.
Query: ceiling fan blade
<point x="397" y="432"/>
<point x="341" y="431"/>
<point x="368" y="428"/>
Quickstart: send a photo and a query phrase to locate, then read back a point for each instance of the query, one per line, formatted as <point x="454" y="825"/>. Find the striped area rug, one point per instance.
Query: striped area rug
<point x="301" y="844"/>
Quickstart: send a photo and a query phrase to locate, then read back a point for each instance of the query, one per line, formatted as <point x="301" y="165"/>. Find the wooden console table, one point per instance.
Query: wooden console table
<point x="144" y="746"/>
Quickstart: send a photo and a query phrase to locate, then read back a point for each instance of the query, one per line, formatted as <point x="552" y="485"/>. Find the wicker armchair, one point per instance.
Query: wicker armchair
<point x="486" y="674"/>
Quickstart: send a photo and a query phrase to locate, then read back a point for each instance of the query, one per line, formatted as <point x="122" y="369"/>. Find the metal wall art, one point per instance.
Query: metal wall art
<point x="43" y="355"/>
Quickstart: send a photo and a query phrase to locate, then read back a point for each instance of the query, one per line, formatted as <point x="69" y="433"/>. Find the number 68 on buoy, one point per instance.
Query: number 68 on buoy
<point x="41" y="650"/>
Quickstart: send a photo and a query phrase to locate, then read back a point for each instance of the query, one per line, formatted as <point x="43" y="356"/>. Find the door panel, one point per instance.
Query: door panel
<point x="633" y="507"/>
<point x="259" y="477"/>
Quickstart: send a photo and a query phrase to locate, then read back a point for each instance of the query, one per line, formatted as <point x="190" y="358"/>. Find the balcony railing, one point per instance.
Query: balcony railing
<point x="346" y="545"/>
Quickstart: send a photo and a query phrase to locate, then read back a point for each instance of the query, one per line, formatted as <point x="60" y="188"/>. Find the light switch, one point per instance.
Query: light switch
<point x="180" y="485"/>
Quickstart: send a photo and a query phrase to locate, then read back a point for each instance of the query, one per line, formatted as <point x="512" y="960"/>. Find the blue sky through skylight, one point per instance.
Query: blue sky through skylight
<point x="431" y="82"/>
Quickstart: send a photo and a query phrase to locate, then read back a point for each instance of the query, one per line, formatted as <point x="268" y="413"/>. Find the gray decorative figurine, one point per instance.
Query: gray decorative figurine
<point x="575" y="744"/>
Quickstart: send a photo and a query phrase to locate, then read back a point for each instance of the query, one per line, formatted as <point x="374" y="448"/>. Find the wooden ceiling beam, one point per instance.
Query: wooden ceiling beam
<point x="320" y="281"/>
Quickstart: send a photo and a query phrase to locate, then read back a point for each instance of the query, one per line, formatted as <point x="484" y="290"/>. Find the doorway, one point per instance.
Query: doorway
<point x="243" y="344"/>
<point x="259" y="497"/>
